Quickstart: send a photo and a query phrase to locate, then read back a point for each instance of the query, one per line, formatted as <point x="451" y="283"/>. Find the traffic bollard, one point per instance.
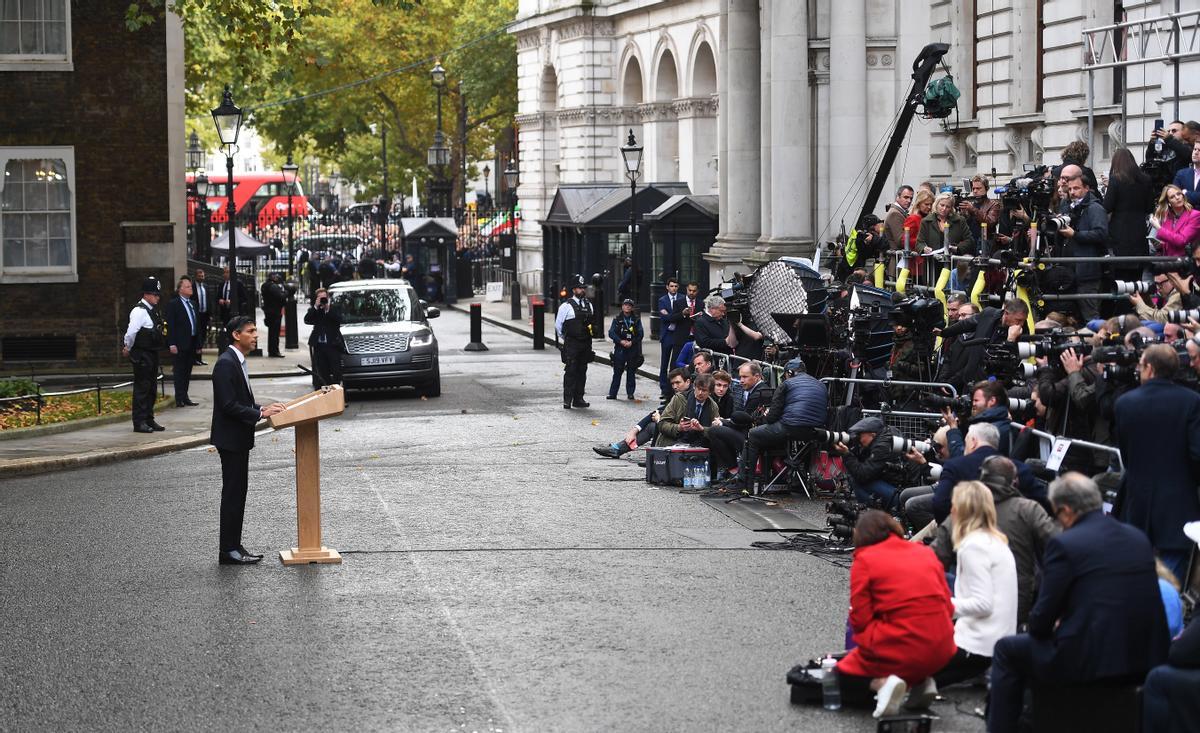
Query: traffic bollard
<point x="539" y="324"/>
<point x="476" y="329"/>
<point x="515" y="289"/>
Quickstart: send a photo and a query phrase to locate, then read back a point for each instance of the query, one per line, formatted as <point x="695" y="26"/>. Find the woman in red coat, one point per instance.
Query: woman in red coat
<point x="900" y="612"/>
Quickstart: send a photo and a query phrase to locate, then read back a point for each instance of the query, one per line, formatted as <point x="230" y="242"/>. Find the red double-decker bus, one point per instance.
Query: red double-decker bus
<point x="263" y="196"/>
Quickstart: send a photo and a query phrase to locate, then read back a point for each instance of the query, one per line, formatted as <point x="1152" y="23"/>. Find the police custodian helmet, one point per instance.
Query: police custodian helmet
<point x="152" y="286"/>
<point x="577" y="281"/>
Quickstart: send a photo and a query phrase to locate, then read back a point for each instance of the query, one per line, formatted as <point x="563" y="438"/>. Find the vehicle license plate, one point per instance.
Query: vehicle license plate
<point x="376" y="360"/>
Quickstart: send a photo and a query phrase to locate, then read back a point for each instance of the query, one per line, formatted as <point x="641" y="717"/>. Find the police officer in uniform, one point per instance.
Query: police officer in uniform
<point x="143" y="340"/>
<point x="574" y="325"/>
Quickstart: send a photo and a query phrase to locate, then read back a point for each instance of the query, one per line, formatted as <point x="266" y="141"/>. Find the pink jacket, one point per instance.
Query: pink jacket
<point x="1178" y="234"/>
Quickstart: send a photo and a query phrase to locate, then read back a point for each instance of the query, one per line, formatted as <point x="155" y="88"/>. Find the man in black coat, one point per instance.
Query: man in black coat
<point x="1158" y="431"/>
<point x="1087" y="236"/>
<point x="205" y="304"/>
<point x="231" y="293"/>
<point x="273" y="299"/>
<point x="182" y="338"/>
<point x="712" y="327"/>
<point x="325" y="342"/>
<point x="1098" y="616"/>
<point x="235" y="413"/>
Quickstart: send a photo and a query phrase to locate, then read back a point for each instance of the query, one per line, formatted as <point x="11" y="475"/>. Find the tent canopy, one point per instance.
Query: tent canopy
<point x="247" y="246"/>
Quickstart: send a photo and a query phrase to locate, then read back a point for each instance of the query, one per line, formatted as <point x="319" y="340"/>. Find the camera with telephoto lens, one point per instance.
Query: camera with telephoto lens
<point x="1049" y="347"/>
<point x="1129" y="287"/>
<point x="1031" y="191"/>
<point x="1183" y="316"/>
<point x="1055" y="222"/>
<point x="1002" y="362"/>
<point x="961" y="403"/>
<point x="828" y="438"/>
<point x="904" y="445"/>
<point x="919" y="315"/>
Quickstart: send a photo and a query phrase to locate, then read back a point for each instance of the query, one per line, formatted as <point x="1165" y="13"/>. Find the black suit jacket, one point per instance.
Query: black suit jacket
<point x="234" y="411"/>
<point x="1099" y="613"/>
<point x="210" y="298"/>
<point x="243" y="300"/>
<point x="325" y="323"/>
<point x="179" y="326"/>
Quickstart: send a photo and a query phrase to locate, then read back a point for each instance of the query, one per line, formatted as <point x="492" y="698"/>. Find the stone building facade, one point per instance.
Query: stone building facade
<point x="92" y="154"/>
<point x="782" y="107"/>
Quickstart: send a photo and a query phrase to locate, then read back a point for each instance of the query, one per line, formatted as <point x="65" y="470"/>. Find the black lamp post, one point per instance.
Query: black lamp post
<point x="438" y="155"/>
<point x="511" y="178"/>
<point x="631" y="152"/>
<point x="228" y="119"/>
<point x="487" y="196"/>
<point x="290" y="171"/>
<point x="201" y="216"/>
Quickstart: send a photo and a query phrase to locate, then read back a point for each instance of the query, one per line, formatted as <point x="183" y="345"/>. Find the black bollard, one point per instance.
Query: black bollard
<point x="291" y="322"/>
<point x="476" y="329"/>
<point x="539" y="324"/>
<point x="515" y="292"/>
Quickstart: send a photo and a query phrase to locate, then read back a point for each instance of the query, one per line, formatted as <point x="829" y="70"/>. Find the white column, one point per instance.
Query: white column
<point x="739" y="118"/>
<point x="765" y="121"/>
<point x="790" y="181"/>
<point x="848" y="141"/>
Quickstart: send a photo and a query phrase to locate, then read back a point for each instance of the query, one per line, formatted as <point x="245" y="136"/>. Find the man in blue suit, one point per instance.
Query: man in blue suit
<point x="1158" y="431"/>
<point x="1189" y="178"/>
<point x="183" y="337"/>
<point x="673" y="332"/>
<point x="235" y="414"/>
<point x="1098" y="615"/>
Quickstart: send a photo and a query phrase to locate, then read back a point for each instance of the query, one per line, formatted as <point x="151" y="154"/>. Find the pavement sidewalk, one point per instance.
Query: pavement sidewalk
<point x="500" y="314"/>
<point x="57" y="449"/>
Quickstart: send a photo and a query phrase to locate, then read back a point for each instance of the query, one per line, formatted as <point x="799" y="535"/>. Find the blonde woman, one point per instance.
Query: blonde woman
<point x="985" y="583"/>
<point x="1177" y="222"/>
<point x="945" y="227"/>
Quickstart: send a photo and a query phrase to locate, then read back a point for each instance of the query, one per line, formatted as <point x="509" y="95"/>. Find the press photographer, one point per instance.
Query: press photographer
<point x="978" y="209"/>
<point x="875" y="470"/>
<point x="976" y="332"/>
<point x="1164" y="298"/>
<point x="325" y="343"/>
<point x="1086" y="235"/>
<point x="1172" y="147"/>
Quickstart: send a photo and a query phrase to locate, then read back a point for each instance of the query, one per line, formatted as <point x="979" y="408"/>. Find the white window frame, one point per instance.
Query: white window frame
<point x="47" y="61"/>
<point x="69" y="274"/>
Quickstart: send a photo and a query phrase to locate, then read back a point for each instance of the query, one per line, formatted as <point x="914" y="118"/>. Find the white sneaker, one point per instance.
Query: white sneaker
<point x="922" y="696"/>
<point x="889" y="697"/>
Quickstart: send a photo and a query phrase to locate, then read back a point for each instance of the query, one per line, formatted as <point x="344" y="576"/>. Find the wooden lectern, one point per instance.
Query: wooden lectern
<point x="303" y="413"/>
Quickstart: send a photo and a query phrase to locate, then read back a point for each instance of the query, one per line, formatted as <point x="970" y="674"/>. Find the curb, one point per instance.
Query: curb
<point x="34" y="466"/>
<point x="73" y="425"/>
<point x="508" y="326"/>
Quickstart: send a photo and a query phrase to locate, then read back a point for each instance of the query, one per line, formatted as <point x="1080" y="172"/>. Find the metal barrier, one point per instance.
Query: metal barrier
<point x="772" y="373"/>
<point x="890" y="382"/>
<point x="40" y="396"/>
<point x="913" y="425"/>
<point x="1046" y="443"/>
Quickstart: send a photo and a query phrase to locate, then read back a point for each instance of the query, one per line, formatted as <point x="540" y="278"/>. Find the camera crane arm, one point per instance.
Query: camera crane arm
<point x="923" y="68"/>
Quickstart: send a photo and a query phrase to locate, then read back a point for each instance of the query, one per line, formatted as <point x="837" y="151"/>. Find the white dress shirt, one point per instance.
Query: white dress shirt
<point x="139" y="318"/>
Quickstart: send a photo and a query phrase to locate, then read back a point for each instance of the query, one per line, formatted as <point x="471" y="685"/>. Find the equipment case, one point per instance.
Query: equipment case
<point x="666" y="466"/>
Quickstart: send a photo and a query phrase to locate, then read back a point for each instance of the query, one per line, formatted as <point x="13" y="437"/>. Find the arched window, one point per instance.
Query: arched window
<point x="632" y="85"/>
<point x="666" y="84"/>
<point x="549" y="91"/>
<point x="704" y="72"/>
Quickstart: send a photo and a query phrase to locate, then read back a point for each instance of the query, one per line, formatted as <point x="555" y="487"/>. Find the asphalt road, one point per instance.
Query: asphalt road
<point x="497" y="576"/>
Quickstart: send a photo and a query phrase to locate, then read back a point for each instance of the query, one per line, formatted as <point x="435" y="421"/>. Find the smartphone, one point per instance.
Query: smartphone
<point x="1158" y="125"/>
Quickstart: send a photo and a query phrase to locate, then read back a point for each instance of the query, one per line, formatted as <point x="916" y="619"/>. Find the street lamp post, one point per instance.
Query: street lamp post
<point x="487" y="196"/>
<point x="631" y="153"/>
<point x="385" y="204"/>
<point x="438" y="156"/>
<point x="511" y="176"/>
<point x="195" y="163"/>
<point x="228" y="119"/>
<point x="201" y="216"/>
<point x="290" y="171"/>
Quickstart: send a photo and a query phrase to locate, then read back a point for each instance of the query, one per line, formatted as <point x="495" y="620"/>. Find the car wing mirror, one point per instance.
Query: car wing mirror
<point x="432" y="312"/>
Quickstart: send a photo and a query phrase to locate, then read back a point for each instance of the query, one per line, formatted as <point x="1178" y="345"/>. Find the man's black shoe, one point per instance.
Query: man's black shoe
<point x="242" y="549"/>
<point x="581" y="403"/>
<point x="200" y="362"/>
<point x="611" y="397"/>
<point x="607" y="451"/>
<point x="236" y="557"/>
<point x="187" y="403"/>
<point x="566" y="405"/>
<point x="275" y="356"/>
<point x="155" y="426"/>
<point x="142" y="428"/>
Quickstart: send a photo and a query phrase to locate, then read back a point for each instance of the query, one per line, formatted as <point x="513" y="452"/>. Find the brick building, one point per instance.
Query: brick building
<point x="92" y="192"/>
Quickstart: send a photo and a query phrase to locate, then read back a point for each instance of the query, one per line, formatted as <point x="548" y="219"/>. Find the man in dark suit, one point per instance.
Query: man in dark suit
<point x="712" y="327"/>
<point x="673" y="332"/>
<point x="204" y="304"/>
<point x="1098" y="615"/>
<point x="725" y="440"/>
<point x="274" y="297"/>
<point x="230" y="294"/>
<point x="688" y="415"/>
<point x="235" y="414"/>
<point x="1158" y="431"/>
<point x="1189" y="178"/>
<point x="325" y="342"/>
<point x="182" y="338"/>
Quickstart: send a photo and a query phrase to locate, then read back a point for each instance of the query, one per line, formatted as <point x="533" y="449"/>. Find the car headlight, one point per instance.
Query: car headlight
<point x="421" y="338"/>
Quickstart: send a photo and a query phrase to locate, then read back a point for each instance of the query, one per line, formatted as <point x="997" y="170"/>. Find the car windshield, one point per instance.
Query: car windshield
<point x="375" y="306"/>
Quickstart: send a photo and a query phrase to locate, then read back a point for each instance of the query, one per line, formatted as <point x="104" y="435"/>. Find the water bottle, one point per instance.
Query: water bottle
<point x="704" y="474"/>
<point x="689" y="474"/>
<point x="831" y="694"/>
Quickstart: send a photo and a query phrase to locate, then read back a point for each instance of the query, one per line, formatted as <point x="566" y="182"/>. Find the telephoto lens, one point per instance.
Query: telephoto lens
<point x="904" y="445"/>
<point x="1017" y="405"/>
<point x="1183" y="316"/>
<point x="829" y="437"/>
<point x="1129" y="287"/>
